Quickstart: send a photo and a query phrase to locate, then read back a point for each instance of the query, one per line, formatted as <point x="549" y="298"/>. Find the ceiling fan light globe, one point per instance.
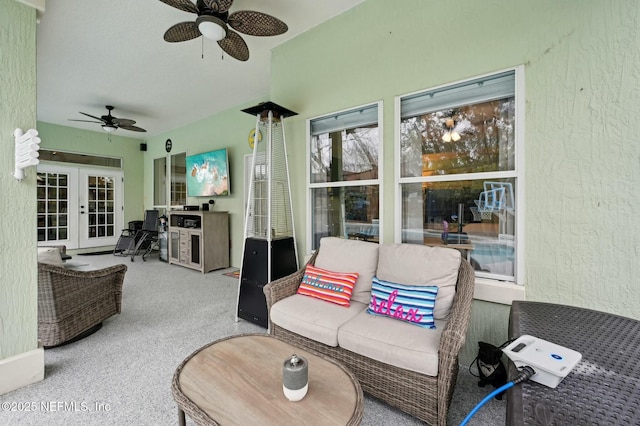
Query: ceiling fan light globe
<point x="109" y="129"/>
<point x="211" y="27"/>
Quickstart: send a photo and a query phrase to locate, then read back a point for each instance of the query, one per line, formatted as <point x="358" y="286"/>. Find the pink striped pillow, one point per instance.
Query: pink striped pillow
<point x="334" y="287"/>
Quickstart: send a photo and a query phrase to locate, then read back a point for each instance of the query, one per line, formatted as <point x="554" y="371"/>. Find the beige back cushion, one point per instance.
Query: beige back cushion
<point x="414" y="264"/>
<point x="341" y="255"/>
<point x="50" y="255"/>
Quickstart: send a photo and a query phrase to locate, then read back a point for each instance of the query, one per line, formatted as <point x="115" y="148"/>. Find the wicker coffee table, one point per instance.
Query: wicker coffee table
<point x="238" y="380"/>
<point x="601" y="390"/>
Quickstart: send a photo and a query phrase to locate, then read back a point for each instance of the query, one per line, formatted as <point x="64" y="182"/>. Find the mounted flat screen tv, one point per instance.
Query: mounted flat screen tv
<point x="208" y="174"/>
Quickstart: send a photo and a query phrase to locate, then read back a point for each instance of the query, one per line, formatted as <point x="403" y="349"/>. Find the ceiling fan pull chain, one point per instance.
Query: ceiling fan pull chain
<point x="202" y="47"/>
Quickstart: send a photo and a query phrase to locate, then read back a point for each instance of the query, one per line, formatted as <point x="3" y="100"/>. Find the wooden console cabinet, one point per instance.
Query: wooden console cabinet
<point x="199" y="240"/>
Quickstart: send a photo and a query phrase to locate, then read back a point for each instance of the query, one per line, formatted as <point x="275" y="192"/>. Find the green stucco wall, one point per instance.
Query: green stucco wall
<point x="18" y="282"/>
<point x="582" y="157"/>
<point x="69" y="139"/>
<point x="228" y="129"/>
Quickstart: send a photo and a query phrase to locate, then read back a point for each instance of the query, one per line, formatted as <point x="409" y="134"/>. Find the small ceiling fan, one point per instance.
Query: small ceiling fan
<point x="110" y="123"/>
<point x="214" y="20"/>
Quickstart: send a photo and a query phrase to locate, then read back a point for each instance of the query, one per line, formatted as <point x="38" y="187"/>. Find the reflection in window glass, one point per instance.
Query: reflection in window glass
<point x="351" y="211"/>
<point x="458" y="171"/>
<point x="179" y="179"/>
<point x="468" y="139"/>
<point x="475" y="216"/>
<point x="344" y="148"/>
<point x="160" y="181"/>
<point x="345" y="155"/>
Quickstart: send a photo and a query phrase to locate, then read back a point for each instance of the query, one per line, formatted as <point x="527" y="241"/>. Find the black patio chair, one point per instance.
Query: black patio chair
<point x="141" y="241"/>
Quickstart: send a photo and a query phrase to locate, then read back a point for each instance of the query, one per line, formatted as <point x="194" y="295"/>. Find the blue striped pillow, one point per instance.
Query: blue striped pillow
<point x="411" y="303"/>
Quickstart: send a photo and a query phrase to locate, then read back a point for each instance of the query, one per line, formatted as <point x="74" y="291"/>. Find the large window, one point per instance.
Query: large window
<point x="174" y="185"/>
<point x="459" y="175"/>
<point x="178" y="191"/>
<point x="344" y="175"/>
<point x="160" y="182"/>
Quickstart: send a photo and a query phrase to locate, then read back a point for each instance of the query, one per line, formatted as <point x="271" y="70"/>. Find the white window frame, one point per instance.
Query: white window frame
<point x="493" y="290"/>
<point x="379" y="181"/>
<point x="166" y="187"/>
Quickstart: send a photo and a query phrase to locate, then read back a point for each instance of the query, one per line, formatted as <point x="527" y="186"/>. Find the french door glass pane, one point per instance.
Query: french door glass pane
<point x="100" y="208"/>
<point x="52" y="202"/>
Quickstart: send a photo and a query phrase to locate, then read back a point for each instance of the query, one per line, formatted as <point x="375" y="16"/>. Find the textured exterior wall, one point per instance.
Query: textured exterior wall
<point x="97" y="143"/>
<point x="18" y="282"/>
<point x="582" y="157"/>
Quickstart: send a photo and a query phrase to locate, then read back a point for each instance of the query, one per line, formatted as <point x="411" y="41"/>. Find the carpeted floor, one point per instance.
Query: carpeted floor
<point x="122" y="374"/>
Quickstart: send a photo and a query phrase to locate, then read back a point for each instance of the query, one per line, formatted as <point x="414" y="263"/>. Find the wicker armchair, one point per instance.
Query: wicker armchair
<point x="73" y="304"/>
<point x="425" y="397"/>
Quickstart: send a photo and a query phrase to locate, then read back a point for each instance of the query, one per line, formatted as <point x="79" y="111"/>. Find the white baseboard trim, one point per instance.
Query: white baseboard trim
<point x="21" y="370"/>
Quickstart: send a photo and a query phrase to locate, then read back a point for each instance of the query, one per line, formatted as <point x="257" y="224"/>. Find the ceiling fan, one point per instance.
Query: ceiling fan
<point x="110" y="123"/>
<point x="214" y="20"/>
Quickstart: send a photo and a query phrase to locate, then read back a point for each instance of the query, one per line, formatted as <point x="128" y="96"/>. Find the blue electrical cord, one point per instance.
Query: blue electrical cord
<point x="525" y="374"/>
<point x="485" y="400"/>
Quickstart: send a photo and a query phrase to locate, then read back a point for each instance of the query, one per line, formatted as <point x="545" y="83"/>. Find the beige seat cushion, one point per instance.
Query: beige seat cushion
<point x="342" y="255"/>
<point x="393" y="342"/>
<point x="75" y="265"/>
<point x="49" y="255"/>
<point x="422" y="265"/>
<point x="313" y="318"/>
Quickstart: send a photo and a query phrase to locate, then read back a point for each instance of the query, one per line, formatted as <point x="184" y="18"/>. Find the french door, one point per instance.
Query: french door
<point x="79" y="207"/>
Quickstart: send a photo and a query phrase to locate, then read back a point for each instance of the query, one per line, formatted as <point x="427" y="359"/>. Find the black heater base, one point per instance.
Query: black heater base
<point x="252" y="305"/>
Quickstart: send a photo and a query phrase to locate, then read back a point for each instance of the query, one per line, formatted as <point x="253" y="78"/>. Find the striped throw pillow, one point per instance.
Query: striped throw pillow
<point x="335" y="287"/>
<point x="411" y="303"/>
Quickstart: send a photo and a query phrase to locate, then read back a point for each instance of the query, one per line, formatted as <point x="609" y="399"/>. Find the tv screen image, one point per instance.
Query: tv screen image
<point x="208" y="174"/>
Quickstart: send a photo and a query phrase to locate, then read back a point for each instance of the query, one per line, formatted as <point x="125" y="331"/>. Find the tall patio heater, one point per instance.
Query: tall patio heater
<point x="269" y="250"/>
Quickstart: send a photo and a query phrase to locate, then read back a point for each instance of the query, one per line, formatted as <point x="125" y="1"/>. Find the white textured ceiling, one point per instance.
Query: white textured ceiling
<point x="93" y="53"/>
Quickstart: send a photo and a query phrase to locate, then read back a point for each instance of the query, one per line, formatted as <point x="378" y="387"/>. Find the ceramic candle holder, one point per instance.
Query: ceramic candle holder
<point x="295" y="378"/>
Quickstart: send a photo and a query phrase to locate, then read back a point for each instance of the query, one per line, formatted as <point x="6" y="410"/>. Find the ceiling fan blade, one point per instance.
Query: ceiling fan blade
<point x="87" y="121"/>
<point x="218" y="6"/>
<point x="182" y="32"/>
<point x="234" y="45"/>
<point x="93" y="116"/>
<point x="256" y="23"/>
<point x="185" y="5"/>
<point x="132" y="128"/>
<point x="122" y="122"/>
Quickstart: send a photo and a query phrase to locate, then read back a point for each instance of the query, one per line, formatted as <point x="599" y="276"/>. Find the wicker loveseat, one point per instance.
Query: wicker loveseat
<point x="73" y="304"/>
<point x="409" y="367"/>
